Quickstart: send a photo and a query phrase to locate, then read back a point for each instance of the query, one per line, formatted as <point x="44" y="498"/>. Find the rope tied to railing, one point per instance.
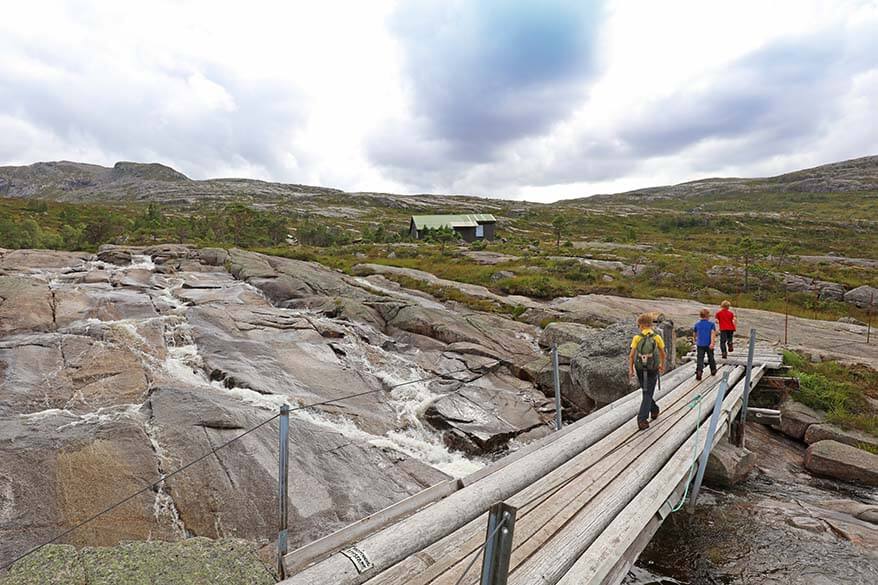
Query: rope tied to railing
<point x="695" y="403"/>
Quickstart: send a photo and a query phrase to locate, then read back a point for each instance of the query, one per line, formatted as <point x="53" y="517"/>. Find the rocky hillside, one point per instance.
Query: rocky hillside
<point x="859" y="174"/>
<point x="129" y="181"/>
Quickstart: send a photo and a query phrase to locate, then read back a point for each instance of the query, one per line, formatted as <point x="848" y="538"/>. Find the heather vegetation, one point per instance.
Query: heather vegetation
<point x="846" y="393"/>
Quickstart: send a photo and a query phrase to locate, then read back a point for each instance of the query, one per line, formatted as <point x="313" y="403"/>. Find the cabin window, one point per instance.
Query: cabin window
<point x="480" y="231"/>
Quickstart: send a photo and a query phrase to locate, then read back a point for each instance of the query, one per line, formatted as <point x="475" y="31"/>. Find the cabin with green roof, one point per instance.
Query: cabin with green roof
<point x="471" y="227"/>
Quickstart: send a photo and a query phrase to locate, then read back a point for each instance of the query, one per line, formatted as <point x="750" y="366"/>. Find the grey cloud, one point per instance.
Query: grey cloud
<point x="130" y="114"/>
<point x="483" y="74"/>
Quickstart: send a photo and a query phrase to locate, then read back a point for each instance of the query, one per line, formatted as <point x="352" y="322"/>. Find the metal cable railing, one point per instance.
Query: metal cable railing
<point x="156" y="484"/>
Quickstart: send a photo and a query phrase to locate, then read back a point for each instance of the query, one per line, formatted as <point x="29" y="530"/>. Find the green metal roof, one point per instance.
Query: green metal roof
<point x="438" y="221"/>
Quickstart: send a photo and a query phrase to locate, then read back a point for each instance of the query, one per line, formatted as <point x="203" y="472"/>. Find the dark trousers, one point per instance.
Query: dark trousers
<point x="725" y="340"/>
<point x="647" y="381"/>
<point x="700" y="353"/>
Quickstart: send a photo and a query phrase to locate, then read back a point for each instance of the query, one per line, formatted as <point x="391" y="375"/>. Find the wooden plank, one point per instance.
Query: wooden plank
<point x="448" y="552"/>
<point x="538" y="523"/>
<point x="677" y="376"/>
<point x="413" y="533"/>
<point x="321" y="548"/>
<point x="630" y="556"/>
<point x="556" y="556"/>
<point x="598" y="562"/>
<point x="594" y="569"/>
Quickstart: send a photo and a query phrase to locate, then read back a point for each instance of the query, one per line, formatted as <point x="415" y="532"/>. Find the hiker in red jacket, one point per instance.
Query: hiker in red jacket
<point x="728" y="323"/>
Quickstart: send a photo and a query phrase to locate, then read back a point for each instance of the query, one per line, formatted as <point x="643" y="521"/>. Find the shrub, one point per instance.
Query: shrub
<point x="538" y="286"/>
<point x="683" y="347"/>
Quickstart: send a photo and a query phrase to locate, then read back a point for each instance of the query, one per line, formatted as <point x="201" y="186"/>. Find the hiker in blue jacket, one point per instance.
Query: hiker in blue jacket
<point x="704" y="336"/>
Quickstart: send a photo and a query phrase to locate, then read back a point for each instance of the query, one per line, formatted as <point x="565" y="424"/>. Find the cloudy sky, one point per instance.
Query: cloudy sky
<point x="535" y="99"/>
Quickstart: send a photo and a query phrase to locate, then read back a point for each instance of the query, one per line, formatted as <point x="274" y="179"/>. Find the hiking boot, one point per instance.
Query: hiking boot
<point x="725" y="356"/>
<point x="655" y="414"/>
<point x="731" y="347"/>
<point x="713" y="371"/>
<point x="698" y="376"/>
<point x="643" y="425"/>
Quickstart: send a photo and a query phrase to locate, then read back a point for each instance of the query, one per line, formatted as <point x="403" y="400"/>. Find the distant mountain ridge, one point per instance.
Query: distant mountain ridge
<point x="857" y="174"/>
<point x="133" y="181"/>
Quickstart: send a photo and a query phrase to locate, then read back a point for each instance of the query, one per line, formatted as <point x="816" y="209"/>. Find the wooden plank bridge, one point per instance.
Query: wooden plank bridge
<point x="587" y="499"/>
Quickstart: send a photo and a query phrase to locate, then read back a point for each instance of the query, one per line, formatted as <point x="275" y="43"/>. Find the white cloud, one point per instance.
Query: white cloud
<point x="398" y="96"/>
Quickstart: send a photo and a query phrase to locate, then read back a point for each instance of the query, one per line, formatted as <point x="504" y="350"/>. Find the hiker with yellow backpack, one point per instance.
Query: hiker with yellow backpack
<point x="647" y="361"/>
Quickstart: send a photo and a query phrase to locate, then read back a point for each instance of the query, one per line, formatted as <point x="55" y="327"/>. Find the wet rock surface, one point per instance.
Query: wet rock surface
<point x="780" y="526"/>
<point x="114" y="372"/>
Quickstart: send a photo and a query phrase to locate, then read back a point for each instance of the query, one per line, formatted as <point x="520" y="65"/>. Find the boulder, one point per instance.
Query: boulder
<point x="828" y="431"/>
<point x="502" y="275"/>
<point x="599" y="369"/>
<point x="859" y="510"/>
<point x="539" y="371"/>
<point x="840" y="461"/>
<point x="831" y="291"/>
<point x="560" y="332"/>
<point x="213" y="256"/>
<point x="117" y="256"/>
<point x="194" y="560"/>
<point x="481" y="420"/>
<point x="795" y="418"/>
<point x="566" y="352"/>
<point x="728" y="465"/>
<point x="862" y="296"/>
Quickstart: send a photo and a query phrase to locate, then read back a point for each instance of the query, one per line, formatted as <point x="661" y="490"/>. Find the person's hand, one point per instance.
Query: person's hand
<point x="631" y="373"/>
<point x="712" y="344"/>
<point x="661" y="368"/>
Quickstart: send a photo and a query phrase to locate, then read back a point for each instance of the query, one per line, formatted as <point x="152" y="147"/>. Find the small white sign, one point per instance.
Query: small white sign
<point x="358" y="558"/>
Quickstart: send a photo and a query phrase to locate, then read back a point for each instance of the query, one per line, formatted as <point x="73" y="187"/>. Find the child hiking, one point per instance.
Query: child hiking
<point x="704" y="336"/>
<point x="647" y="360"/>
<point x="728" y="323"/>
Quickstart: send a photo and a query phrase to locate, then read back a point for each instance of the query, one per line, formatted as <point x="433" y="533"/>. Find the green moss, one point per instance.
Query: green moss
<point x="196" y="561"/>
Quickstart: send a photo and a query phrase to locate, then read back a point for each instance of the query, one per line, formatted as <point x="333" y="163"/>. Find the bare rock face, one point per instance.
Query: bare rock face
<point x="559" y="332"/>
<point x="840" y="461"/>
<point x="26" y="305"/>
<point x="58" y="469"/>
<point x="116" y="371"/>
<point x="326" y="469"/>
